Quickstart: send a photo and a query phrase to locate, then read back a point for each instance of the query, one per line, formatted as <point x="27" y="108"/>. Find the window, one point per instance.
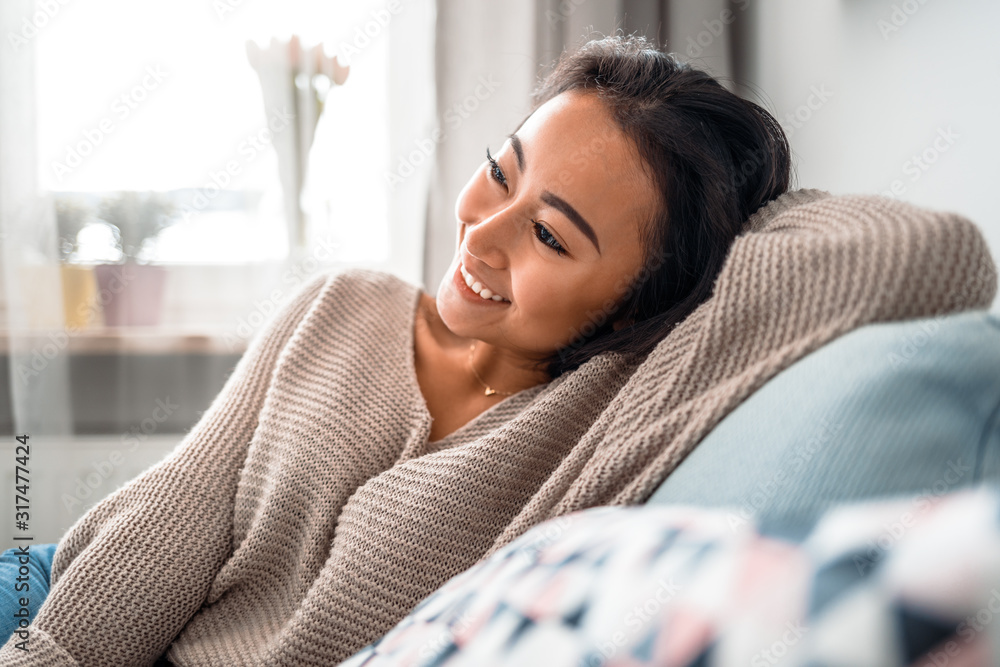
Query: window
<point x="107" y="96"/>
<point x="139" y="97"/>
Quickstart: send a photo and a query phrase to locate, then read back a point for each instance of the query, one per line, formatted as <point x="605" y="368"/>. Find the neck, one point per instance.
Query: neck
<point x="504" y="370"/>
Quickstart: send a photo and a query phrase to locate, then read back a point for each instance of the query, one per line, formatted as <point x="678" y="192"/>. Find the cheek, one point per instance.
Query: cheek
<point x="545" y="298"/>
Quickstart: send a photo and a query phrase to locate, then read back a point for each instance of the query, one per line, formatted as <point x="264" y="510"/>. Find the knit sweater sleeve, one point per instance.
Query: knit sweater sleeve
<point x="130" y="573"/>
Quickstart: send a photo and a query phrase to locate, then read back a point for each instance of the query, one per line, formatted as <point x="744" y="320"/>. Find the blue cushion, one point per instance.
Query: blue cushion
<point x="898" y="408"/>
<point x="30" y="574"/>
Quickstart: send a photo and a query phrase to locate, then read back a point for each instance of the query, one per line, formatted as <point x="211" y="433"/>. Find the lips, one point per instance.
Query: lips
<point x="469" y="280"/>
<point x="478" y="287"/>
<point x="471" y="296"/>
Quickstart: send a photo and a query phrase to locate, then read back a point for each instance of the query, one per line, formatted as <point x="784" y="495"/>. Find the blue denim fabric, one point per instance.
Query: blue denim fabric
<point x="39" y="567"/>
<point x="888" y="409"/>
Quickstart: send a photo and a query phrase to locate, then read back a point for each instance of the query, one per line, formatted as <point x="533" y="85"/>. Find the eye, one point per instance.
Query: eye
<point x="545" y="237"/>
<point x="495" y="170"/>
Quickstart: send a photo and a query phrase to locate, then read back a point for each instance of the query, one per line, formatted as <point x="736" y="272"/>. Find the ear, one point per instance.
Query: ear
<point x="621" y="324"/>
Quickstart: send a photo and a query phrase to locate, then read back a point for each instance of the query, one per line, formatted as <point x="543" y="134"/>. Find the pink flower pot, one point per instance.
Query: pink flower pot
<point x="130" y="294"/>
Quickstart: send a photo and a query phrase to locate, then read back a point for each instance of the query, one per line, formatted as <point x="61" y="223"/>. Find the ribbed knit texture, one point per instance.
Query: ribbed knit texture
<point x="306" y="513"/>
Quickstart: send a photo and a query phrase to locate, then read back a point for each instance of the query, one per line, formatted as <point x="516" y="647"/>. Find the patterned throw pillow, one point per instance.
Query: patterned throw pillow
<point x="911" y="581"/>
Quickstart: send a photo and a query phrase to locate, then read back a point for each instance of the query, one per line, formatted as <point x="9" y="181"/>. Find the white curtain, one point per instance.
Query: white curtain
<point x="47" y="388"/>
<point x="37" y="363"/>
<point x="31" y="301"/>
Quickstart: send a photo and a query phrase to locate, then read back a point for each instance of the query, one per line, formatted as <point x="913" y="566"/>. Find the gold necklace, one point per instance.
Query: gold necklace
<point x="490" y="391"/>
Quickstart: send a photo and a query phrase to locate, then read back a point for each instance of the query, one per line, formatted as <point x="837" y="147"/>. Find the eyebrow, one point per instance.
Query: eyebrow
<point x="554" y="200"/>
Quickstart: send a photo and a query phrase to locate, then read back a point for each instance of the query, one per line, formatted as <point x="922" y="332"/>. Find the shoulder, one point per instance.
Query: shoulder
<point x="334" y="289"/>
<point x="362" y="278"/>
<point x="364" y="295"/>
<point x="369" y="283"/>
<point x="352" y="299"/>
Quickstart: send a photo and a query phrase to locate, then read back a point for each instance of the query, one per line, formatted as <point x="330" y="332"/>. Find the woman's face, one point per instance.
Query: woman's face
<point x="553" y="227"/>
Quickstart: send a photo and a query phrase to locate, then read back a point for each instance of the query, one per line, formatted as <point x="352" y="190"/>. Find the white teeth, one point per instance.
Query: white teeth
<point x="477" y="286"/>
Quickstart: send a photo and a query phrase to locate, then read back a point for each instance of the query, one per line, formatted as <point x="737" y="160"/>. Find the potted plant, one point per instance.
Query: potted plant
<point x="78" y="281"/>
<point x="131" y="291"/>
<point x="295" y="80"/>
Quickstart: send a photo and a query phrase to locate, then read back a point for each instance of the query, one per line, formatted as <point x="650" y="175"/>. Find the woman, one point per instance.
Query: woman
<point x="628" y="158"/>
<point x="356" y="459"/>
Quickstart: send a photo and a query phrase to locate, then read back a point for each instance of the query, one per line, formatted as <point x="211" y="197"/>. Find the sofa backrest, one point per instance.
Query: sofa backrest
<point x="889" y="409"/>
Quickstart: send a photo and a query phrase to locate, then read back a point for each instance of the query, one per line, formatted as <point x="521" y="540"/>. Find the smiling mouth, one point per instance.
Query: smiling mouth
<point x="470" y="281"/>
<point x="475" y="289"/>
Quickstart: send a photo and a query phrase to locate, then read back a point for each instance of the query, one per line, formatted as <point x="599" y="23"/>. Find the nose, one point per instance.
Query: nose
<point x="488" y="225"/>
<point x="490" y="240"/>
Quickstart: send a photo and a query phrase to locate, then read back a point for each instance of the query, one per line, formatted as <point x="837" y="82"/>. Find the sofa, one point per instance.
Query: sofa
<point x="888" y="409"/>
<point x="845" y="477"/>
<point x="832" y="470"/>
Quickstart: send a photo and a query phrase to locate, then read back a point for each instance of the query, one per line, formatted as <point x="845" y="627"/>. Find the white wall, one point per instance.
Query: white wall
<point x="898" y="75"/>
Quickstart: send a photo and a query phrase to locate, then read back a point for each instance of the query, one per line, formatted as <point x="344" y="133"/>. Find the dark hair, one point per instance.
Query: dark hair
<point x="715" y="159"/>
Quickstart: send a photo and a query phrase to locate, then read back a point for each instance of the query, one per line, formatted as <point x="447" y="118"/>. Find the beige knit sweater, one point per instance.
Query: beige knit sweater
<point x="305" y="514"/>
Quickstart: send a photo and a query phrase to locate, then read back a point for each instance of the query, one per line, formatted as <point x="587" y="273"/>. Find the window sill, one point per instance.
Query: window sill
<point x="134" y="340"/>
